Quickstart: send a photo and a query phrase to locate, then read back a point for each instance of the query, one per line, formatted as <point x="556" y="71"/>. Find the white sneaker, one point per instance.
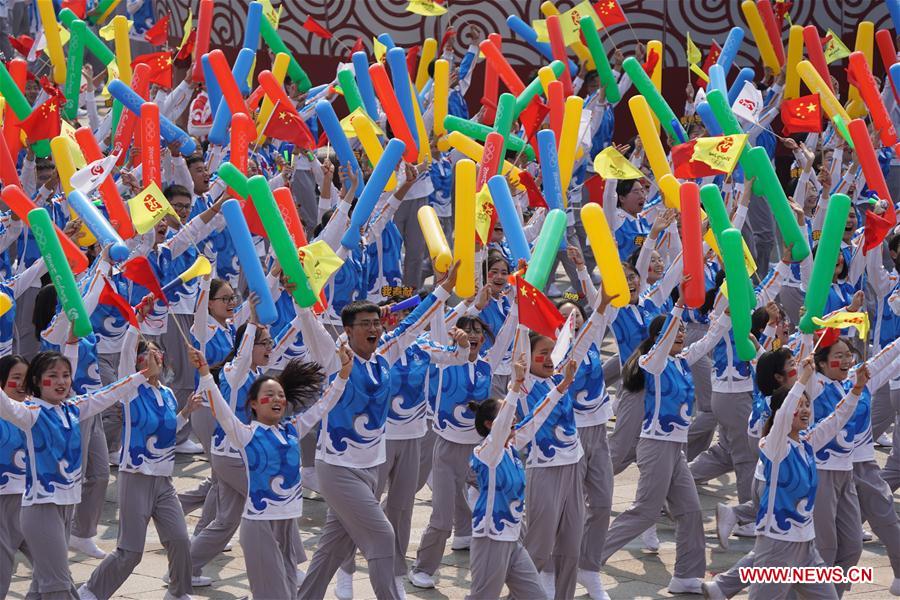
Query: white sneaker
<point x="309" y="479"/>
<point x="688" y="585"/>
<point x="895" y="587"/>
<point x="747" y="530"/>
<point x="867" y="535"/>
<point x="170" y="596"/>
<point x="711" y="591"/>
<point x="188" y="446"/>
<point x="196" y="580"/>
<point x="591" y="582"/>
<point x="401" y="589"/>
<point x="85" y="546"/>
<point x="343" y="588"/>
<point x="725" y="522"/>
<point x="884" y="440"/>
<point x="461" y="542"/>
<point x="421" y="579"/>
<point x="548" y="582"/>
<point x="85" y="594"/>
<point x="650" y="540"/>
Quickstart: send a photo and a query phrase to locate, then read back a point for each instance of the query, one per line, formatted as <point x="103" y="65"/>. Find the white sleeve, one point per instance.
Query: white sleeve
<point x="657" y="357"/>
<point x="307" y="421"/>
<point x="775" y="444"/>
<point x="238" y="433"/>
<point x="17" y="413"/>
<point x="490" y="452"/>
<point x="94" y="403"/>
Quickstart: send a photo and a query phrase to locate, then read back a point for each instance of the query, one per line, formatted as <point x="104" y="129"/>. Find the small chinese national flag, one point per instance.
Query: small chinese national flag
<point x="536" y="311"/>
<point x="110" y="297"/>
<point x="285" y="124"/>
<point x="44" y="121"/>
<point x="158" y="35"/>
<point x="714" y="51"/>
<point x="609" y="12"/>
<point x="311" y="26"/>
<point x="160" y="64"/>
<point x="803" y="114"/>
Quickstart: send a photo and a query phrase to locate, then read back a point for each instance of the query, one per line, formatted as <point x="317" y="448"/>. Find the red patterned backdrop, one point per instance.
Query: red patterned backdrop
<point x="665" y="20"/>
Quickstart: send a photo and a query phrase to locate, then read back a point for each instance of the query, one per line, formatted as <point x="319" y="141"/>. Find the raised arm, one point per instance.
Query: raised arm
<point x="658" y="356"/>
<point x="528" y="428"/>
<point x="237" y="433"/>
<point x="94" y="403"/>
<point x="17" y="413"/>
<point x="333" y="392"/>
<point x="775" y="444"/>
<point x="825" y="430"/>
<point x="490" y="452"/>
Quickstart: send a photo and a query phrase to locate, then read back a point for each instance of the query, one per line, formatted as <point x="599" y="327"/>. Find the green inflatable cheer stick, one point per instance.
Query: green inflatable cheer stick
<point x="479" y="131"/>
<point x="506" y="114"/>
<point x="104" y="8"/>
<point x="722" y="111"/>
<point x="716" y="212"/>
<point x="657" y="103"/>
<point x="236" y="180"/>
<point x="825" y="261"/>
<point x="284" y="247"/>
<point x="295" y="71"/>
<point x="74" y="62"/>
<point x="546" y="248"/>
<point x="60" y="271"/>
<point x="535" y="87"/>
<point x="351" y="91"/>
<point x="92" y="42"/>
<point x="16" y="100"/>
<point x="757" y="164"/>
<point x="595" y="46"/>
<point x="740" y="291"/>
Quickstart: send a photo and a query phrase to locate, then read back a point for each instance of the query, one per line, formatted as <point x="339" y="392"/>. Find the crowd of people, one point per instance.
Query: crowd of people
<point x="413" y="366"/>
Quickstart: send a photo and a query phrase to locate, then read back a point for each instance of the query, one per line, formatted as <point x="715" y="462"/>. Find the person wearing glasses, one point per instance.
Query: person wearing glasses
<point x="254" y="351"/>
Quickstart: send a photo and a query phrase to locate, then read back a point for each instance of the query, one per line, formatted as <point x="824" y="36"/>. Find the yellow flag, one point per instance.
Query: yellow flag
<point x="721" y="152"/>
<point x="319" y="262"/>
<point x="484" y="212"/>
<point x="188" y="24"/>
<point x="380" y="49"/>
<point x="570" y="23"/>
<point x="272" y="15"/>
<point x="835" y="48"/>
<point x="149" y="207"/>
<point x="610" y="164"/>
<point x="63" y="34"/>
<point x="348" y="127"/>
<point x="693" y="52"/>
<point x="845" y="319"/>
<point x="68" y="132"/>
<point x="699" y="73"/>
<point x="426" y="8"/>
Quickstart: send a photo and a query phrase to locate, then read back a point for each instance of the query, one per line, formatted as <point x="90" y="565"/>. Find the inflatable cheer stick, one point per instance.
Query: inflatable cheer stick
<point x="868" y="92"/>
<point x="103" y="10"/>
<point x="365" y="133"/>
<point x="715" y="209"/>
<point x="568" y="143"/>
<point x="825" y="261"/>
<point x="491" y="84"/>
<point x="441" y="94"/>
<point x="598" y="54"/>
<point x="74" y="62"/>
<point x="12" y="130"/>
<point x="730" y="49"/>
<point x="868" y="161"/>
<point x="740" y="292"/>
<point x="773" y="31"/>
<point x="99" y="226"/>
<point x="60" y="272"/>
<point x="527" y="33"/>
<point x="284" y="199"/>
<point x="281" y="241"/>
<point x="297" y="74"/>
<point x="499" y="63"/>
<point x="717" y="79"/>
<point x="429" y="52"/>
<point x="546" y="248"/>
<point x="550" y="179"/>
<point x="744" y="75"/>
<point x="364" y="83"/>
<point x="92" y="42"/>
<point x="607" y="254"/>
<point x="708" y="118"/>
<point x="351" y="92"/>
<point x="794" y="56"/>
<point x="490" y="160"/>
<point x="813" y="44"/>
<point x="170" y="132"/>
<point x="817" y="85"/>
<point x="656" y="156"/>
<point x="151" y="167"/>
<point x="392" y="108"/>
<point x="231" y="93"/>
<point x="865" y="31"/>
<point x="506" y="114"/>
<point x="475" y="151"/>
<point x="509" y="218"/>
<point x="758" y="29"/>
<point x="536" y="86"/>
<point x="235" y="180"/>
<point x="478" y="131"/>
<point x="894" y="10"/>
<point x="464" y="228"/>
<point x="393" y="152"/>
<point x="340" y="143"/>
<point x="279" y="70"/>
<point x="128" y="123"/>
<point x="886" y="49"/>
<point x="694" y="287"/>
<point x="556" y="99"/>
<point x="250" y="265"/>
<point x="657" y="103"/>
<point x="204" y="33"/>
<point x="559" y="50"/>
<point x="438" y="248"/>
<point x="54" y="47"/>
<point x="757" y="164"/>
<point x="62" y="159"/>
<point x="112" y="199"/>
<point x="396" y="60"/>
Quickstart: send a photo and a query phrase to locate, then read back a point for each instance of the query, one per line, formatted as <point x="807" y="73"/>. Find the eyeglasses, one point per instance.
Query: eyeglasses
<point x="269" y="343"/>
<point x="229" y="299"/>
<point x="181" y="206"/>
<point x="368" y="324"/>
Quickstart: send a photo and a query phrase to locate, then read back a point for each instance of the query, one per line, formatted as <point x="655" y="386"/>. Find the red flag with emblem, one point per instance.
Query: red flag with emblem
<point x="160" y="64"/>
<point x="285" y="124"/>
<point x="803" y="114"/>
<point x="536" y="311"/>
<point x="714" y="51"/>
<point x="610" y="12"/>
<point x="687" y="168"/>
<point x="44" y="121"/>
<point x="158" y="35"/>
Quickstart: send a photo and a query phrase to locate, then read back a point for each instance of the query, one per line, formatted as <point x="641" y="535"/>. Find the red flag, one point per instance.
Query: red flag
<point x="803" y="114"/>
<point x="158" y="35"/>
<point x="535" y="197"/>
<point x="875" y="231"/>
<point x="109" y="297"/>
<point x="79" y="7"/>
<point x="44" y="122"/>
<point x="357" y="47"/>
<point x="651" y="61"/>
<point x="685" y="167"/>
<point x="714" y="51"/>
<point x="536" y="312"/>
<point x="21" y="44"/>
<point x="138" y="270"/>
<point x="610" y="12"/>
<point x="285" y="124"/>
<point x="782" y="10"/>
<point x="447" y="35"/>
<point x="595" y="186"/>
<point x="412" y="61"/>
<point x="311" y="26"/>
<point x="187" y="50"/>
<point x="160" y="64"/>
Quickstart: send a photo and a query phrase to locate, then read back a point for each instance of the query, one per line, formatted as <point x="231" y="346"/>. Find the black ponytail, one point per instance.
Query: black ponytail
<point x="632" y="373"/>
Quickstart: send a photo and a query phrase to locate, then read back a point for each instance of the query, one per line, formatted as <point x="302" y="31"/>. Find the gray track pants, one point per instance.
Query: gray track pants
<point x="271" y="557"/>
<point x="95" y="461"/>
<point x="837" y="519"/>
<point x="733" y="450"/>
<point x="494" y="563"/>
<point x="778" y="553"/>
<point x="597" y="475"/>
<point x="11" y="539"/>
<point x="46" y="528"/>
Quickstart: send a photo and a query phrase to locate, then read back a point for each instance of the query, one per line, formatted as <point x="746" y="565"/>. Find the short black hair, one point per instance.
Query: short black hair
<point x="771" y="364"/>
<point x="348" y="314"/>
<point x="193" y="158"/>
<point x="176" y="190"/>
<point x="39" y="365"/>
<point x="6" y="365"/>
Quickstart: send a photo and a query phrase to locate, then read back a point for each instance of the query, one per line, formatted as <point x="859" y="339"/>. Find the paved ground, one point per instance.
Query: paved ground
<point x="630" y="574"/>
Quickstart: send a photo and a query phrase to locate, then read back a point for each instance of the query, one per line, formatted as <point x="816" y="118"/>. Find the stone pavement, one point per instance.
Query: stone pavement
<point x="631" y="573"/>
